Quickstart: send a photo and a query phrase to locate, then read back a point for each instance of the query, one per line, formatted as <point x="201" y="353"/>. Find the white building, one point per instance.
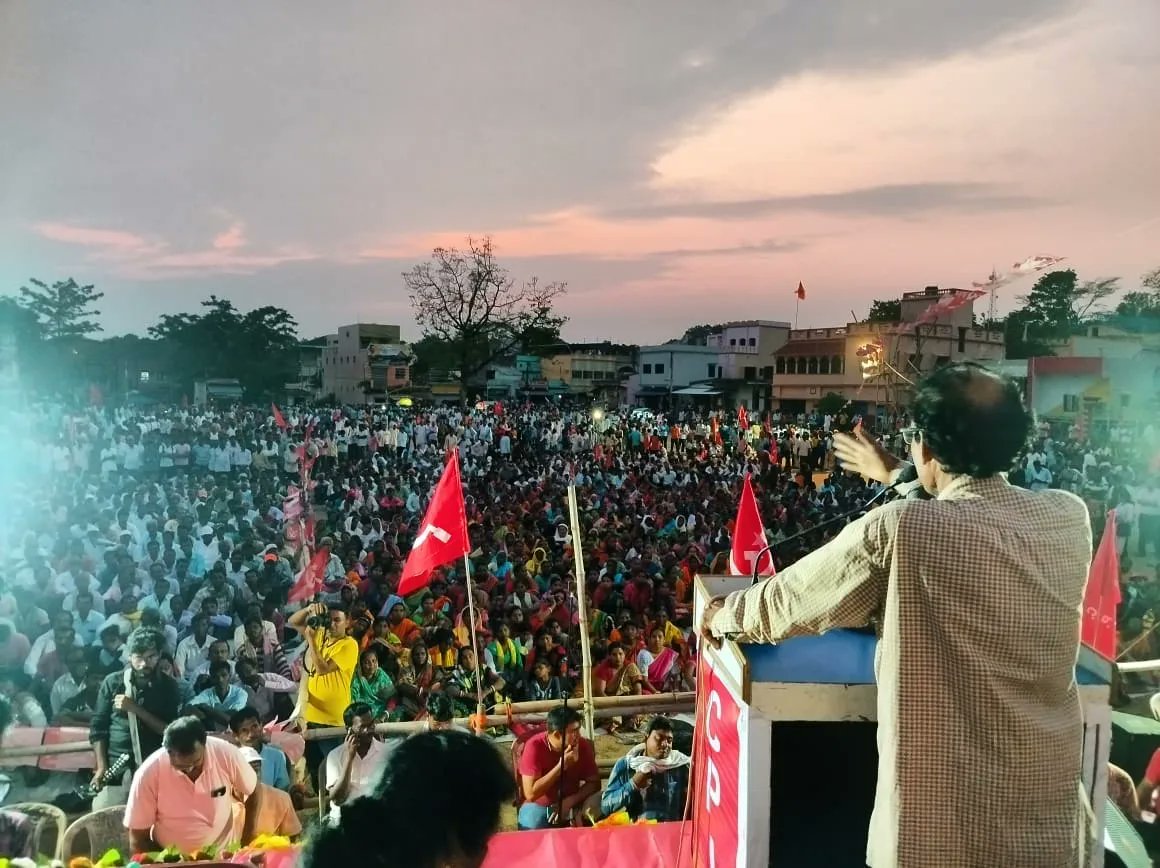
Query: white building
<point x="665" y="372"/>
<point x="747" y="353"/>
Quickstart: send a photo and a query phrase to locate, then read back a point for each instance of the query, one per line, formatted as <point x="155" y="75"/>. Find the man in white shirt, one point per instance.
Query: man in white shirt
<point x="193" y="650"/>
<point x="72" y="682"/>
<point x="353" y="767"/>
<point x="86" y="619"/>
<point x="46" y="642"/>
<point x="185" y="793"/>
<point x="207" y="546"/>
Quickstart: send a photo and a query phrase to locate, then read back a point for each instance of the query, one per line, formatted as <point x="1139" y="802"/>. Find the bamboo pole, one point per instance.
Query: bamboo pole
<point x="498" y="720"/>
<point x="582" y="605"/>
<point x="476" y="651"/>
<point x="522" y="712"/>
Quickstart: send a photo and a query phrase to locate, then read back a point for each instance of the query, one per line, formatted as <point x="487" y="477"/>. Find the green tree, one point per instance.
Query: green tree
<point x="258" y="348"/>
<point x="831" y="404"/>
<point x="1143" y="303"/>
<point x="1059" y="303"/>
<point x="698" y="335"/>
<point x="65" y="309"/>
<point x="472" y="304"/>
<point x="885" y="310"/>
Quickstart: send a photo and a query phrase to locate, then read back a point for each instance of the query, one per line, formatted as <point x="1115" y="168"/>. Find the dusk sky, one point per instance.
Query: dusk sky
<point x="675" y="162"/>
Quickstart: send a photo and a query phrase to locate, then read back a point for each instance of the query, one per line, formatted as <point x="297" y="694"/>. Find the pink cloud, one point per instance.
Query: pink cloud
<point x="144" y="259"/>
<point x="87" y="237"/>
<point x="575" y="232"/>
<point x="232" y="239"/>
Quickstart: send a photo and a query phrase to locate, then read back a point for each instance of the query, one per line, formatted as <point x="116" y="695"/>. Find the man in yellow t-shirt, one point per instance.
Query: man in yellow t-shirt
<point x="331" y="659"/>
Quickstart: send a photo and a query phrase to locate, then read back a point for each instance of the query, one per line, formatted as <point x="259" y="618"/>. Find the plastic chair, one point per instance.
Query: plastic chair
<point x="104" y="829"/>
<point x="43" y="814"/>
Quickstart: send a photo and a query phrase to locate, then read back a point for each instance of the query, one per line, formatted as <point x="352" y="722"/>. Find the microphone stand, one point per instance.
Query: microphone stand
<point x="829" y="521"/>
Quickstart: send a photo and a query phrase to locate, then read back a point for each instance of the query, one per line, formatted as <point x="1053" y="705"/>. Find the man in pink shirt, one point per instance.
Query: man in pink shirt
<point x="184" y="794"/>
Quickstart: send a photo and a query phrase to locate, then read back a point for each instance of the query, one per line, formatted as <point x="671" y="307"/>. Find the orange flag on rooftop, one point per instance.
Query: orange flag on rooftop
<point x="1102" y="595"/>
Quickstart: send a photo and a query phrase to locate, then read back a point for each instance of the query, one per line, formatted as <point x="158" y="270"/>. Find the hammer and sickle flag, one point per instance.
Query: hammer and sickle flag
<point x="442" y="536"/>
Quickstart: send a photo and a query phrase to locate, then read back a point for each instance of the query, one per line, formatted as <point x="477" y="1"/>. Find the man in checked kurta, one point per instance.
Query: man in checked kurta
<point x="976" y="595"/>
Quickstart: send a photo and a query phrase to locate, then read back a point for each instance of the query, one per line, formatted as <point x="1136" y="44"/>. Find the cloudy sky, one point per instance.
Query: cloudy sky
<point x="675" y="162"/>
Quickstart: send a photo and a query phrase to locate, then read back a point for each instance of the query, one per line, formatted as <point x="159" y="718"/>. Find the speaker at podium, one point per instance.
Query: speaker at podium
<point x="791" y="758"/>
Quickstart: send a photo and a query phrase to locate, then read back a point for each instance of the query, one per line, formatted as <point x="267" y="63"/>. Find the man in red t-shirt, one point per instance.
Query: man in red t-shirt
<point x="1147" y="790"/>
<point x="559" y="753"/>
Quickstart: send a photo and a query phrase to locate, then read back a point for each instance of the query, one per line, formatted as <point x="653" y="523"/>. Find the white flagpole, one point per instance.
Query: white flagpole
<point x="475" y="649"/>
<point x="582" y="605"/>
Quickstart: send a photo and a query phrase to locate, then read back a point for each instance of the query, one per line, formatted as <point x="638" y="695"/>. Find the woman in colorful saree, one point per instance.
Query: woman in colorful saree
<point x="460" y="685"/>
<point x="416" y="677"/>
<point x="373" y="686"/>
<point x="664" y="673"/>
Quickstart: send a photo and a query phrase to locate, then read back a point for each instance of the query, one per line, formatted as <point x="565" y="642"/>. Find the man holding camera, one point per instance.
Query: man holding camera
<point x="330" y="661"/>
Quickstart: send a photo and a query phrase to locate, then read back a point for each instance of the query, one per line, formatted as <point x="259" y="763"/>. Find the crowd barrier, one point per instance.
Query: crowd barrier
<point x="32" y="747"/>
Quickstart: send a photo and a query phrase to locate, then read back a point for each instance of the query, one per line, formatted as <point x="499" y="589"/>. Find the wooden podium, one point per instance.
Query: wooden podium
<point x="792" y="759"/>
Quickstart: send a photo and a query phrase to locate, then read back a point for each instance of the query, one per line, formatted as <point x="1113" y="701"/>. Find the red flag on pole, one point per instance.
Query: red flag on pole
<point x="749" y="538"/>
<point x="279" y="420"/>
<point x="309" y="581"/>
<point x="442" y="535"/>
<point x="715" y="431"/>
<point x="1102" y="594"/>
<point x="742" y="418"/>
<point x="800" y="292"/>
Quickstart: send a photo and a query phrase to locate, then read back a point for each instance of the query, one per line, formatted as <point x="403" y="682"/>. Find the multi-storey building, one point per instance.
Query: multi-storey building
<point x="365" y="362"/>
<point x="746" y="356"/>
<point x="872" y="364"/>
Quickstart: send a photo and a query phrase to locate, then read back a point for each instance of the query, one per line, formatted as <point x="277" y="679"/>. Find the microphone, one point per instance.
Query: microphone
<point x="907" y="476"/>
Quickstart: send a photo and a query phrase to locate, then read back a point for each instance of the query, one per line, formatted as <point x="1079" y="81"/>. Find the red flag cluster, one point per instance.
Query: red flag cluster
<point x="749" y="538"/>
<point x="443" y="533"/>
<point x="309" y="581"/>
<point x="952" y="302"/>
<point x="1101" y="595"/>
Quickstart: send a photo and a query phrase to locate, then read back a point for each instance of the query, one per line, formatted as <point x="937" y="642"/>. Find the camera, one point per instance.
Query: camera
<point x="318" y="622"/>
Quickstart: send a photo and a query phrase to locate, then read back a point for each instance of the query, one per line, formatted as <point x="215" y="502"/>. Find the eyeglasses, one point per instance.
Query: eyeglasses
<point x="911" y="435"/>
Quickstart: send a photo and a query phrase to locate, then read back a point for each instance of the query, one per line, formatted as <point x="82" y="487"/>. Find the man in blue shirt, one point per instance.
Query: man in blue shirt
<point x="651" y="780"/>
<point x="247" y="729"/>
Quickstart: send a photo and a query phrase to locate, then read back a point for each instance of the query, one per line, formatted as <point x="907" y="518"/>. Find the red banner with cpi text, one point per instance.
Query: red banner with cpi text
<point x="717" y="773"/>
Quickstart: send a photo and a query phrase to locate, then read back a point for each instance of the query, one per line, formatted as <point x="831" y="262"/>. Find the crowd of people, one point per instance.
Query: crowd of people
<point x="146" y="558"/>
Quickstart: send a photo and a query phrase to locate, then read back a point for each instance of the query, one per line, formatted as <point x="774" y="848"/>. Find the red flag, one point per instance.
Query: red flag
<point x="442" y="535"/>
<point x="749" y="538"/>
<point x="742" y="419"/>
<point x="279" y="420"/>
<point x="800" y="292"/>
<point x="309" y="581"/>
<point x="716" y="432"/>
<point x="1102" y="594"/>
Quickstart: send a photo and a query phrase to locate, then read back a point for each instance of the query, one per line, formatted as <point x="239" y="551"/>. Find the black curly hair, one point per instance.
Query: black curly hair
<point x="971" y="419"/>
<point x="391" y="826"/>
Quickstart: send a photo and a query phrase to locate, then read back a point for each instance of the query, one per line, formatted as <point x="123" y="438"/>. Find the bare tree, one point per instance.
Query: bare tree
<point x="469" y="302"/>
